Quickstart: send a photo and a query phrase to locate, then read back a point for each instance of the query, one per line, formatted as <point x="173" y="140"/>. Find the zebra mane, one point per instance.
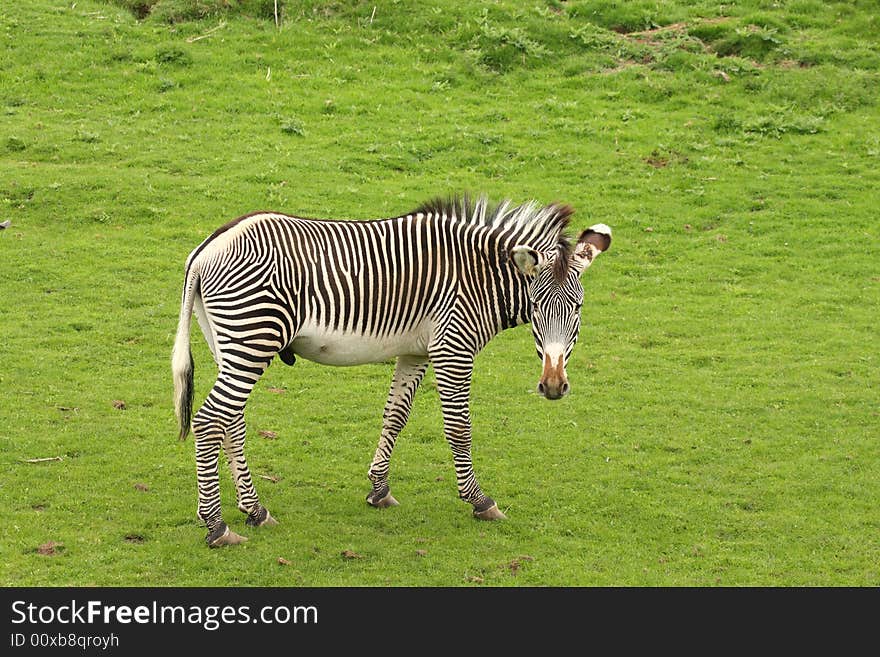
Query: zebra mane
<point x="541" y="227"/>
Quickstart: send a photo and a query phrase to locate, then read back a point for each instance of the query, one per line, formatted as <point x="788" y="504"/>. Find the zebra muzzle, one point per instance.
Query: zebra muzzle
<point x="554" y="382"/>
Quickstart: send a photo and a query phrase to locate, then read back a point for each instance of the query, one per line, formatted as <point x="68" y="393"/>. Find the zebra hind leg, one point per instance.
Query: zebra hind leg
<point x="246" y="494"/>
<point x="209" y="432"/>
<point x="222" y="416"/>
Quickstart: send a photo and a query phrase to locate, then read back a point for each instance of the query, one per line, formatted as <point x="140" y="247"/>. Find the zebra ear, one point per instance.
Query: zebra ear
<point x="526" y="259"/>
<point x="593" y="241"/>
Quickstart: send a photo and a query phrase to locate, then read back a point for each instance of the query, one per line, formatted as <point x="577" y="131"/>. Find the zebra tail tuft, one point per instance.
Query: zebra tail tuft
<point x="183" y="398"/>
<point x="182" y="365"/>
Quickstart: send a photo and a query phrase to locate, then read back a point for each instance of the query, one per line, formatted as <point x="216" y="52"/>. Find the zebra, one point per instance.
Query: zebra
<point x="432" y="286"/>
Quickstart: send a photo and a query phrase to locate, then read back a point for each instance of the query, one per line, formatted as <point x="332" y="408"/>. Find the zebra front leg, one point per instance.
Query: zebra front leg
<point x="408" y="373"/>
<point x="246" y="494"/>
<point x="454" y="385"/>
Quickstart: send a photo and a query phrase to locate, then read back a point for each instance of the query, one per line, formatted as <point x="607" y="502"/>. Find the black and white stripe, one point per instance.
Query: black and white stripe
<point x="433" y="286"/>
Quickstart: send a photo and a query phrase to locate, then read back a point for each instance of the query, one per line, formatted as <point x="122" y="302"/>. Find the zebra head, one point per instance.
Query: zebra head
<point x="556" y="296"/>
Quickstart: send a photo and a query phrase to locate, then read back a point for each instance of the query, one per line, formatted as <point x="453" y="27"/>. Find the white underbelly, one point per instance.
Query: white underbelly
<point x="330" y="347"/>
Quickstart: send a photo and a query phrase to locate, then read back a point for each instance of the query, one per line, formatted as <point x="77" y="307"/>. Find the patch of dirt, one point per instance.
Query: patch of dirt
<point x="50" y="549"/>
<point x="672" y="27"/>
<point x="660" y="160"/>
<point x="517" y="563"/>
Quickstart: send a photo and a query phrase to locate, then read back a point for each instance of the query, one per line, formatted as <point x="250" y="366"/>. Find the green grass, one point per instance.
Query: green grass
<point x="723" y="424"/>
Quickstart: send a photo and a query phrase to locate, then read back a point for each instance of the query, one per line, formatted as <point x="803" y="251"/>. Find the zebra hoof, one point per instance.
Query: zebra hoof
<point x="262" y="518"/>
<point x="491" y="513"/>
<point x="228" y="537"/>
<point x="383" y="502"/>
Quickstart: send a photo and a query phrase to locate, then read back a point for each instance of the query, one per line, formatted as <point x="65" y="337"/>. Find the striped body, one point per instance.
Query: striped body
<point x="341" y="293"/>
<point x="431" y="286"/>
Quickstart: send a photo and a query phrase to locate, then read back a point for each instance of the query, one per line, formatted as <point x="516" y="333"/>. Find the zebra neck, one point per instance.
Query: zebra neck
<point x="514" y="307"/>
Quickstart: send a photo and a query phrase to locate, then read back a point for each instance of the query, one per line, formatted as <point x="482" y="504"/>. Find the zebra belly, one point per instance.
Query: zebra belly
<point x="329" y="347"/>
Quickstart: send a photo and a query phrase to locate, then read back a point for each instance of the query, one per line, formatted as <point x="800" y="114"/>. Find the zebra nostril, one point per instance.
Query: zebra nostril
<point x="541" y="388"/>
<point x="564" y="388"/>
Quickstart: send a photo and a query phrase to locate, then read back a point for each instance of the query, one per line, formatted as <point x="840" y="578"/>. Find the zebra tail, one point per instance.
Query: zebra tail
<point x="181" y="357"/>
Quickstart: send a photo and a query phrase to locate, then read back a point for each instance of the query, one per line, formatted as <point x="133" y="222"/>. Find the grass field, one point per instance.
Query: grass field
<point x="723" y="424"/>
